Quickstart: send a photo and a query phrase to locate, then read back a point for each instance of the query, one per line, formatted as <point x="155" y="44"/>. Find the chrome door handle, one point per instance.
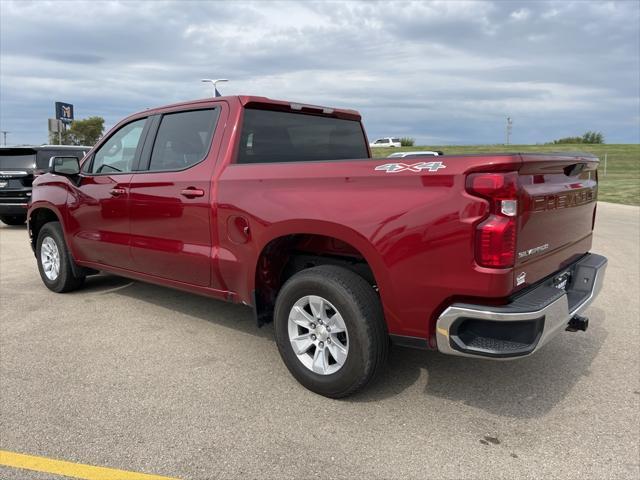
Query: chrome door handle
<point x="192" y="192"/>
<point x="116" y="192"/>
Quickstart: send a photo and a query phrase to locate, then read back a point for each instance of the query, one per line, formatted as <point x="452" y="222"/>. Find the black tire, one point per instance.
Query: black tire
<point x="13" y="219"/>
<point x="360" y="307"/>
<point x="65" y="281"/>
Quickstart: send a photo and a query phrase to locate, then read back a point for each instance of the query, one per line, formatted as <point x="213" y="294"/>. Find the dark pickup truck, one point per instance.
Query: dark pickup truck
<point x="279" y="206"/>
<point x="18" y="167"/>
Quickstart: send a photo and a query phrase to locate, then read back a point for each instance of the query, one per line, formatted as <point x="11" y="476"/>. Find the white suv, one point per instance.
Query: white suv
<point x="386" y="142"/>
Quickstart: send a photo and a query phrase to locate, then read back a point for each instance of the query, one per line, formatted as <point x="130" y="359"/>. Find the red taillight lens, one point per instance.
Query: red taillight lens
<point x="495" y="245"/>
<point x="496" y="242"/>
<point x="496" y="186"/>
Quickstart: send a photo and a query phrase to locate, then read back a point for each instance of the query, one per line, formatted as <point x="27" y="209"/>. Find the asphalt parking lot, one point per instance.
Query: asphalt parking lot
<point x="146" y="379"/>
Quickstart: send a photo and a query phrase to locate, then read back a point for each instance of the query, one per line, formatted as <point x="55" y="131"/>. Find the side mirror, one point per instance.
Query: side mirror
<point x="67" y="166"/>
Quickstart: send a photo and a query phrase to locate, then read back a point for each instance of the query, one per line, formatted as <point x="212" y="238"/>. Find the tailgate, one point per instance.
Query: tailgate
<point x="558" y="194"/>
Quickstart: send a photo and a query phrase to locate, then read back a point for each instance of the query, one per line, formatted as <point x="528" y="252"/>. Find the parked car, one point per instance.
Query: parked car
<point x="18" y="167"/>
<point x="280" y="207"/>
<point x="426" y="153"/>
<point x="386" y="142"/>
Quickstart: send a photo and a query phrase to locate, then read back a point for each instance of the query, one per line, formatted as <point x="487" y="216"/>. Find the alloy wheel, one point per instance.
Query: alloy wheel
<point x="318" y="335"/>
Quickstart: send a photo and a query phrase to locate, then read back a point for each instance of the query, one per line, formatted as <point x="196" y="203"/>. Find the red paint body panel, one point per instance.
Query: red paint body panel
<point x="170" y="234"/>
<point x="414" y="229"/>
<point x="98" y="222"/>
<point x="558" y="210"/>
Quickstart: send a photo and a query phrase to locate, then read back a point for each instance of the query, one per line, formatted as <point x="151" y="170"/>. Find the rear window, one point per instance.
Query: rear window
<point x="269" y="137"/>
<point x="395" y="140"/>
<point x="13" y="158"/>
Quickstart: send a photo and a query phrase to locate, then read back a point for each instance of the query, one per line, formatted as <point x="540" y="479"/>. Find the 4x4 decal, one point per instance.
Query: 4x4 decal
<point x="414" y="167"/>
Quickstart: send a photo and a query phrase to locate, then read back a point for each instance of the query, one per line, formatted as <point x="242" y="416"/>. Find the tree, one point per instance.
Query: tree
<point x="588" y="137"/>
<point x="82" y="132"/>
<point x="593" y="137"/>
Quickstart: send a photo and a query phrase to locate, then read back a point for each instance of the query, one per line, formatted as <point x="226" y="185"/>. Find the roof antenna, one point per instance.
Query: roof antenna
<point x="216" y="93"/>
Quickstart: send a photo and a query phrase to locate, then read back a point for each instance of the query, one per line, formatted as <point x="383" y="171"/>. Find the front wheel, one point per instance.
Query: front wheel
<point x="54" y="261"/>
<point x="13" y="219"/>
<point x="330" y="330"/>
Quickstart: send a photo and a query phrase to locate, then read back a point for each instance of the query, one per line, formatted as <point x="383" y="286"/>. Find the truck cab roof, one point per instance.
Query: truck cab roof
<point x="252" y="101"/>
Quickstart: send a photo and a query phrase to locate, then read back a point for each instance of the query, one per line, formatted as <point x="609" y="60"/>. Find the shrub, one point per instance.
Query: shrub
<point x="407" y="141"/>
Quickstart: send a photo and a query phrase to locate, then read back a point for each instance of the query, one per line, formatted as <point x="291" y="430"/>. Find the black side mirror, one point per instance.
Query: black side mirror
<point x="68" y="166"/>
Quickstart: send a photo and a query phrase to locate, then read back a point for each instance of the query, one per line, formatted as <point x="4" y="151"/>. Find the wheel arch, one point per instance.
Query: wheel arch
<point x="38" y="216"/>
<point x="338" y="245"/>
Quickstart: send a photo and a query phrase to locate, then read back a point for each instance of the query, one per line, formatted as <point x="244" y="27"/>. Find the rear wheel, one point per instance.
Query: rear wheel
<point x="54" y="261"/>
<point x="330" y="330"/>
<point x="13" y="219"/>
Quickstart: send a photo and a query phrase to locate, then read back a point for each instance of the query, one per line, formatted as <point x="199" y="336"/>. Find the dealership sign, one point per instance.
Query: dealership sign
<point x="64" y="112"/>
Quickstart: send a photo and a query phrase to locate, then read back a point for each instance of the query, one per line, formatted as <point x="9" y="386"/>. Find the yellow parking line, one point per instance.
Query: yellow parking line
<point x="70" y="469"/>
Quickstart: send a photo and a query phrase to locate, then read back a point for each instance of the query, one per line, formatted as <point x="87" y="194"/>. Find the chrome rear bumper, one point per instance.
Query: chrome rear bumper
<point x="528" y="322"/>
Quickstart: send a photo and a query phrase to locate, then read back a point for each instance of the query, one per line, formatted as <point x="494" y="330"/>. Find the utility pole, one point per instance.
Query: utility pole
<point x="4" y="135"/>
<point x="509" y="127"/>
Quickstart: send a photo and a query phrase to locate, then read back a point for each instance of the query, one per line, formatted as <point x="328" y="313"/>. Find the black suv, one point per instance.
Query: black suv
<point x="18" y="167"/>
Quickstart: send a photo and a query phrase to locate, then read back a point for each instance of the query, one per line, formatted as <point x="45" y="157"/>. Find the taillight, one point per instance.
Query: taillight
<point x="495" y="243"/>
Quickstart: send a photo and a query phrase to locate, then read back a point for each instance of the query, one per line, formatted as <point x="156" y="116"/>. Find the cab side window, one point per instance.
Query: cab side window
<point x="118" y="154"/>
<point x="183" y="139"/>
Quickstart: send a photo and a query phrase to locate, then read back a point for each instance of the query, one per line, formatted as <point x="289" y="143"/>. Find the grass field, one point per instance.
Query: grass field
<point x="621" y="184"/>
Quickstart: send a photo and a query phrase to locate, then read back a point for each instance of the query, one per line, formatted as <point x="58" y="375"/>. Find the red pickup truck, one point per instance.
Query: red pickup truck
<point x="279" y="206"/>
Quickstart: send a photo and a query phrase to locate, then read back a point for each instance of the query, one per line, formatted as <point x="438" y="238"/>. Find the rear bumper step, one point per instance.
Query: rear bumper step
<point x="530" y="321"/>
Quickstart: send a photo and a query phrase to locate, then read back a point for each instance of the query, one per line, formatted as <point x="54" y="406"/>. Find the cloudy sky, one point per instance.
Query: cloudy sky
<point x="444" y="72"/>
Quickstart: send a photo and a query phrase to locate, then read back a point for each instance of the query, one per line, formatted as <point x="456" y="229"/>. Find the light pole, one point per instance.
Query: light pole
<point x="509" y="127"/>
<point x="216" y="93"/>
<point x="4" y="136"/>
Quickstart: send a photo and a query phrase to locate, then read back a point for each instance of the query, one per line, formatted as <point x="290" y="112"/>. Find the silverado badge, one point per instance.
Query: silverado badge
<point x="533" y="251"/>
<point x="414" y="167"/>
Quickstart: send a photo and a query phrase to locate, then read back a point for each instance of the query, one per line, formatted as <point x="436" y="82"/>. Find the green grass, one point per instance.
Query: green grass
<point x="620" y="185"/>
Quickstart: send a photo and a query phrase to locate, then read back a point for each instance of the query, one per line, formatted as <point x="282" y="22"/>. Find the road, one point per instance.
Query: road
<point x="146" y="379"/>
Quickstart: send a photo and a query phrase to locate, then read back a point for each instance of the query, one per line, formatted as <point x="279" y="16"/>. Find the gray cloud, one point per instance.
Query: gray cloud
<point x="443" y="72"/>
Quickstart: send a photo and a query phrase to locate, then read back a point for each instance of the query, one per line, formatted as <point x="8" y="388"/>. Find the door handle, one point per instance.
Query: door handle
<point x="116" y="192"/>
<point x="192" y="192"/>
